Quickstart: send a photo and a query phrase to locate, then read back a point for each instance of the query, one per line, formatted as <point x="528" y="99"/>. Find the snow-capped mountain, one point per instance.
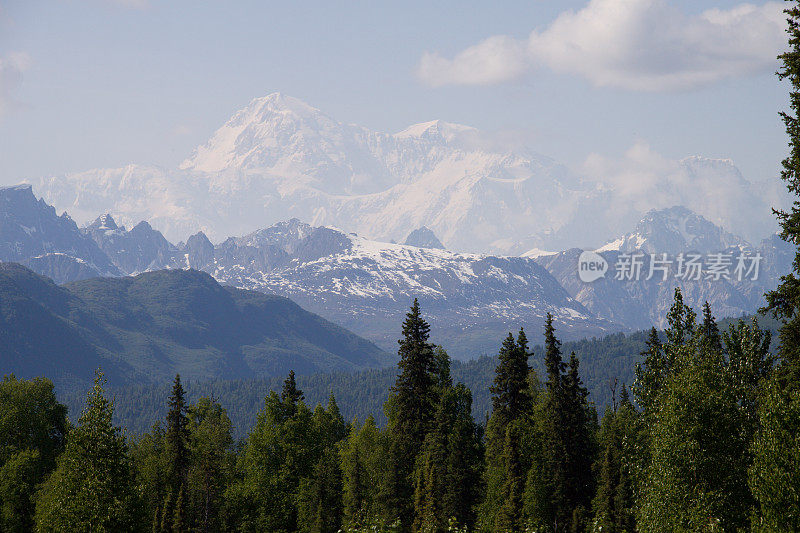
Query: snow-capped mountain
<point x="673" y="230"/>
<point x="472" y="300"/>
<point x="279" y="158"/>
<point x="138" y="250"/>
<point x="32" y="233"/>
<point x="644" y="302"/>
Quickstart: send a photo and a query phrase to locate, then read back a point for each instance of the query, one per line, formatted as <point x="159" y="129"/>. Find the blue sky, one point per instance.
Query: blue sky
<point x="86" y="84"/>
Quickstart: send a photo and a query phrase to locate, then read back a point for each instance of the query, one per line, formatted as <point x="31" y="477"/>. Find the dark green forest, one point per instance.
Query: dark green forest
<point x="362" y="394"/>
<point x="701" y="433"/>
<point x="703" y="440"/>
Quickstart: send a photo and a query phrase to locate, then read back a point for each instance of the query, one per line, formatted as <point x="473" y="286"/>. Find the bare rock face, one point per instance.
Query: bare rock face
<point x="424" y="238"/>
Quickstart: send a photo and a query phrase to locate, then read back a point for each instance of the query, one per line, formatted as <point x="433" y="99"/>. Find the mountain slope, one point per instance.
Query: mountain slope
<point x="30" y="231"/>
<point x="279" y="158"/>
<point x="644" y="302"/>
<point x="367" y="286"/>
<point x="149" y="327"/>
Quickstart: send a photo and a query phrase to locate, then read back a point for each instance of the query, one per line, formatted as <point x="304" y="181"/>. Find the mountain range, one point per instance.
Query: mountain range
<point x="366" y="286"/>
<point x="279" y="158"/>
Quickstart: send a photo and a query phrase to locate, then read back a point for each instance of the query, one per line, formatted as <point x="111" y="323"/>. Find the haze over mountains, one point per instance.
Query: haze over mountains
<point x="472" y="300"/>
<point x="279" y="158"/>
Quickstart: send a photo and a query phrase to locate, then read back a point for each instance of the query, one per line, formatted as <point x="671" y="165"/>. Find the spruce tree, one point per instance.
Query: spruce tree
<point x="510" y="392"/>
<point x="784" y="301"/>
<point x="92" y="488"/>
<point x="290" y="393"/>
<point x="512" y="402"/>
<point x="613" y="503"/>
<point x="410" y="410"/>
<point x="448" y="482"/>
<point x="710" y="330"/>
<point x="177" y="437"/>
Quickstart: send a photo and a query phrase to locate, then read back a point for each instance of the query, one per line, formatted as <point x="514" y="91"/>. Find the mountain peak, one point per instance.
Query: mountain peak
<point x="435" y="129"/>
<point x="257" y="135"/>
<point x="424" y="238"/>
<point x="675" y="229"/>
<point x="102" y="223"/>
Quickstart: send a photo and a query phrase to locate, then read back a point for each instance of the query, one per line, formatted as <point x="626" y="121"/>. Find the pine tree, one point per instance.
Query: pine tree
<point x="512" y="402"/>
<point x="362" y="462"/>
<point x="558" y="497"/>
<point x="290" y="393"/>
<point x="320" y="500"/>
<point x="578" y="442"/>
<point x="210" y="446"/>
<point x="410" y="410"/>
<point x="510" y="392"/>
<point x="179" y="524"/>
<point x="710" y="330"/>
<point x="509" y="517"/>
<point x="92" y="488"/>
<point x="651" y="373"/>
<point x="774" y="475"/>
<point x="784" y="302"/>
<point x="613" y="503"/>
<point x="448" y="482"/>
<point x="177" y="437"/>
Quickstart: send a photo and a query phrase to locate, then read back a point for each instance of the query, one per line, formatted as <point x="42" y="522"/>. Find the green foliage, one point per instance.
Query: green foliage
<point x="613" y="503"/>
<point x="702" y="416"/>
<point x="784" y="301"/>
<point x="211" y="465"/>
<point x="362" y="466"/>
<point x="33" y="427"/>
<point x="448" y="478"/>
<point x="410" y="409"/>
<point x="775" y="472"/>
<point x="92" y="488"/>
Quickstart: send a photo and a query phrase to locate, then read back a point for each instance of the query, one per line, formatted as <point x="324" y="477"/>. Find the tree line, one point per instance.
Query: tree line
<point x="705" y="440"/>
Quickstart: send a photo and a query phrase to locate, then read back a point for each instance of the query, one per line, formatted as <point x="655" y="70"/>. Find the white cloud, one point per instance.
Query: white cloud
<point x="642" y="179"/>
<point x="494" y="60"/>
<point x="12" y="66"/>
<point x="643" y="45"/>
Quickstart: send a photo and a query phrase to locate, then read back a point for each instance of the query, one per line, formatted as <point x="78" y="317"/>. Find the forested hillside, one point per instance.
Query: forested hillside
<point x="361" y="394"/>
<point x="146" y="328"/>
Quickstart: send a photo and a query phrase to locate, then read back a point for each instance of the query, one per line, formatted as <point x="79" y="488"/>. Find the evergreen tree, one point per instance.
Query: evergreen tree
<point x="784" y="301"/>
<point x="774" y="475"/>
<point x="510" y="392"/>
<point x="179" y="521"/>
<point x="513" y="402"/>
<point x="210" y="446"/>
<point x="509" y="517"/>
<point x="321" y="496"/>
<point x="580" y="421"/>
<point x="613" y="503"/>
<point x="177" y="437"/>
<point x="362" y="464"/>
<point x="410" y="410"/>
<point x="448" y="484"/>
<point x="710" y="330"/>
<point x="651" y="373"/>
<point x="92" y="488"/>
<point x="560" y="483"/>
<point x="290" y="393"/>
